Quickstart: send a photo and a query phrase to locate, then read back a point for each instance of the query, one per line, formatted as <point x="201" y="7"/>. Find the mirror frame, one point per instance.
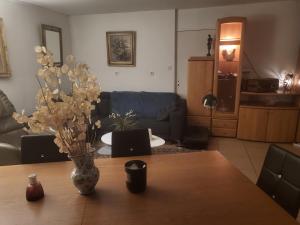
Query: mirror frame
<point x="3" y="52"/>
<point x="44" y="40"/>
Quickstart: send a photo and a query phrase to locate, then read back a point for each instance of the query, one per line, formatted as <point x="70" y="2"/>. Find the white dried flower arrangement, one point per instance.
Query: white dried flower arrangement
<point x="67" y="116"/>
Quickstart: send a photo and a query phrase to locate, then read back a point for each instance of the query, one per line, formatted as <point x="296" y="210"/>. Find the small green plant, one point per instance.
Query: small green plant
<point x="123" y="122"/>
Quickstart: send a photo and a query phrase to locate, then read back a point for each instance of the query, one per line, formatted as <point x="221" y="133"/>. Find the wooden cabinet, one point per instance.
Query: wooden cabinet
<point x="223" y="132"/>
<point x="298" y="131"/>
<point x="200" y="80"/>
<point x="201" y="121"/>
<point x="252" y="124"/>
<point x="268" y="124"/>
<point x="282" y="125"/>
<point x="228" y="124"/>
<point x="228" y="62"/>
<point x="227" y="75"/>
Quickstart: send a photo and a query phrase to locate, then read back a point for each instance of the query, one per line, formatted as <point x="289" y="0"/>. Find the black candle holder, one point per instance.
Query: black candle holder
<point x="136" y="176"/>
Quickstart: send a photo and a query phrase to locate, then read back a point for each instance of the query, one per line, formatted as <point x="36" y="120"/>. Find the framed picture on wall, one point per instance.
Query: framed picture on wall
<point x="4" y="66"/>
<point x="121" y="48"/>
<point x="52" y="40"/>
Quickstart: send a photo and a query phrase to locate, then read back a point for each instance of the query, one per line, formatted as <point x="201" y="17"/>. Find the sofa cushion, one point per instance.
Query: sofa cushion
<point x="103" y="108"/>
<point x="144" y="104"/>
<point x="6" y="107"/>
<point x="164" y="113"/>
<point x="9" y="124"/>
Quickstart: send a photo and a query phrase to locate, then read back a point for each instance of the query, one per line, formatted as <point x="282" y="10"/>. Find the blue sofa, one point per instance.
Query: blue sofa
<point x="163" y="112"/>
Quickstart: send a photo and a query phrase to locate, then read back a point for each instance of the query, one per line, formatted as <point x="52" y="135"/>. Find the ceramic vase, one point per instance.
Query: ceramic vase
<point x="85" y="175"/>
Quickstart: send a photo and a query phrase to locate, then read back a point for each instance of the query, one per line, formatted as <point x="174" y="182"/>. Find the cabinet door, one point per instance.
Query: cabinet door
<point x="228" y="64"/>
<point x="200" y="79"/>
<point x="282" y="125"/>
<point x="252" y="124"/>
<point x="298" y="132"/>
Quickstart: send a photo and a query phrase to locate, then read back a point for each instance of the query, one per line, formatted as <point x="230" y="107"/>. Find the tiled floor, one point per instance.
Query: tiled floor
<point x="247" y="156"/>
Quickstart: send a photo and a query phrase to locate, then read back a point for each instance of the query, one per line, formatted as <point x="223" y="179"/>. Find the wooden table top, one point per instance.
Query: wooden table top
<point x="183" y="189"/>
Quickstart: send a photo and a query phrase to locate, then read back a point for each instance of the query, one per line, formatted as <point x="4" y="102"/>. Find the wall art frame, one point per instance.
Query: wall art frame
<point x="121" y="48"/>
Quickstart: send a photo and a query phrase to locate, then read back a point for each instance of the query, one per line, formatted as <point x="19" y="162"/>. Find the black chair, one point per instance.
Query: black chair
<point x="280" y="178"/>
<point x="40" y="149"/>
<point x="130" y="143"/>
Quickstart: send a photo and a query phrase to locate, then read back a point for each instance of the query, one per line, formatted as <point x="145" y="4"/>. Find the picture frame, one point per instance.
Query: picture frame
<point x="121" y="48"/>
<point x="52" y="40"/>
<point x="4" y="65"/>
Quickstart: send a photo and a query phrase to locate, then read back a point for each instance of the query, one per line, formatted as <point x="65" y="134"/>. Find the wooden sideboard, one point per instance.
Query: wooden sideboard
<point x="269" y="124"/>
<point x="269" y="117"/>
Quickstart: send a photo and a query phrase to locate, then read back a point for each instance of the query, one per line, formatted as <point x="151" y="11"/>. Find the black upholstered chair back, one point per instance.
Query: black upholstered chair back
<point x="280" y="178"/>
<point x="130" y="143"/>
<point x="40" y="149"/>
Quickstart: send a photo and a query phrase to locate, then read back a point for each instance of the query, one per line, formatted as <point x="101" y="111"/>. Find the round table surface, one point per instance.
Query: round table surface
<point x="155" y="141"/>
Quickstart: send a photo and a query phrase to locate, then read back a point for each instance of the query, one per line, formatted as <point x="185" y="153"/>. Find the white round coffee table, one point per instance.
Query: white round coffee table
<point x="155" y="141"/>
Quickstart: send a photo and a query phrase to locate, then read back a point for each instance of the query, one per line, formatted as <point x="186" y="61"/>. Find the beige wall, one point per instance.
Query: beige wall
<point x="22" y="25"/>
<point x="155" y="52"/>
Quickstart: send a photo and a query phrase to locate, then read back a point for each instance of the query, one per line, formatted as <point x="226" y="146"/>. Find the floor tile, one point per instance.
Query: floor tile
<point x="250" y="174"/>
<point x="235" y="152"/>
<point x="256" y="152"/>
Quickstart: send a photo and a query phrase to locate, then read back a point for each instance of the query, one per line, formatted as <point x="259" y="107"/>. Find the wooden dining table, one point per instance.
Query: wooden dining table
<point x="183" y="189"/>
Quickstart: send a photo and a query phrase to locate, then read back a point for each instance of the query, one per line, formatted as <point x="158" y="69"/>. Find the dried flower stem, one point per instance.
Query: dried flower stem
<point x="39" y="82"/>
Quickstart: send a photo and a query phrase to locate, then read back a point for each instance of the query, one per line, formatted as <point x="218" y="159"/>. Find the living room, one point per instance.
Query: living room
<point x="169" y="41"/>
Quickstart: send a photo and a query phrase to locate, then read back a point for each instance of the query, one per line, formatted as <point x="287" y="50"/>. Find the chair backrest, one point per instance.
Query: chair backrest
<point x="280" y="178"/>
<point x="40" y="149"/>
<point x="130" y="143"/>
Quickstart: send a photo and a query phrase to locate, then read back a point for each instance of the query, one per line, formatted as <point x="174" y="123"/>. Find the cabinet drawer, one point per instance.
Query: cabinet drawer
<point x="223" y="132"/>
<point x="202" y="121"/>
<point x="228" y="124"/>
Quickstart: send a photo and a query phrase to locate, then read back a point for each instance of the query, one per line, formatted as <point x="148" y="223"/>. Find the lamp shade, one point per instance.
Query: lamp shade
<point x="209" y="101"/>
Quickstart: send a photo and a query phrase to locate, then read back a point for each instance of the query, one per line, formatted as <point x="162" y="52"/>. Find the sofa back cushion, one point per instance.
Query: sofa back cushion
<point x="6" y="107"/>
<point x="103" y="109"/>
<point x="144" y="104"/>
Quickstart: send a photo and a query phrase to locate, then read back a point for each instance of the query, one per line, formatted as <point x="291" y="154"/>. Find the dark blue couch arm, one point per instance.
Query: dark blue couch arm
<point x="177" y="121"/>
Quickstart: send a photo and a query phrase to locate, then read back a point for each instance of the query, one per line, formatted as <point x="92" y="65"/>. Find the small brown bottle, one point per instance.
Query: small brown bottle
<point x="34" y="190"/>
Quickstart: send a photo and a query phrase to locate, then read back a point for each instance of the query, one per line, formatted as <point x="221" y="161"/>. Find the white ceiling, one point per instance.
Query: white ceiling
<point x="77" y="7"/>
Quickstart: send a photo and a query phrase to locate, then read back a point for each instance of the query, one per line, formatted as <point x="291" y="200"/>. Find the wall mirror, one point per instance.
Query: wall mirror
<point x="52" y="40"/>
<point x="4" y="66"/>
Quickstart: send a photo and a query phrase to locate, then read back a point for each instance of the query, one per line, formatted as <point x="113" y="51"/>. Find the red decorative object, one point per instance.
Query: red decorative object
<point x="34" y="190"/>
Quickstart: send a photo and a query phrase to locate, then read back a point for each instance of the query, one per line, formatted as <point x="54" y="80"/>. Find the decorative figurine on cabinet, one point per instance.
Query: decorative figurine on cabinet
<point x="228" y="56"/>
<point x="209" y="44"/>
